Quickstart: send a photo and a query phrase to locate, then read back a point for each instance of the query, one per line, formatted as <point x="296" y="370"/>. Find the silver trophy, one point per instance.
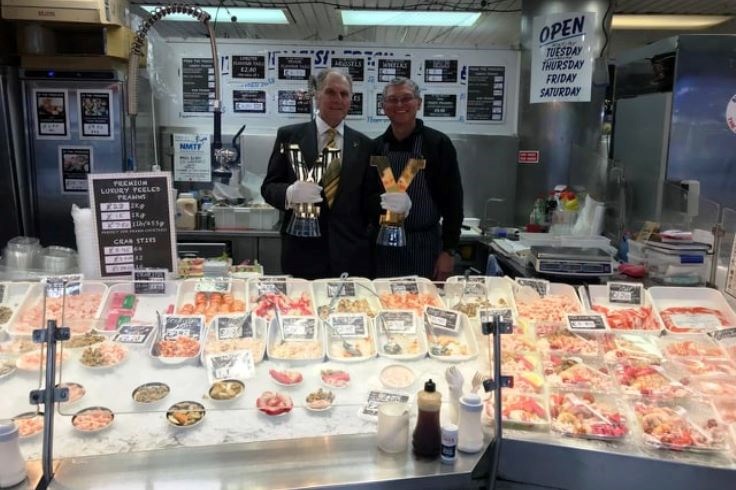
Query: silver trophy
<point x="305" y="216"/>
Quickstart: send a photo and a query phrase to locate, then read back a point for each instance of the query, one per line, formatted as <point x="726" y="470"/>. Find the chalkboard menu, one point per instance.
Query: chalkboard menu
<point x="440" y="105"/>
<point x="379" y="105"/>
<point x="293" y="102"/>
<point x="485" y="93"/>
<point x="353" y="66"/>
<point x="295" y="67"/>
<point x="249" y="67"/>
<point x="197" y="84"/>
<point x="356" y="105"/>
<point x="443" y="71"/>
<point x="389" y="69"/>
<point x="133" y="221"/>
<point x="249" y="101"/>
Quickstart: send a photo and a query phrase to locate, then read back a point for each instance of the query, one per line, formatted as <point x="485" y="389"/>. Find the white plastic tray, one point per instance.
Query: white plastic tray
<point x="497" y="289"/>
<point x="381" y="340"/>
<point x="15" y="295"/>
<point x="464" y="334"/>
<point x="424" y="286"/>
<point x="147" y="304"/>
<point x="295" y="288"/>
<point x="667" y="297"/>
<point x="555" y="289"/>
<point x="187" y="294"/>
<point x="260" y="332"/>
<point x="331" y="337"/>
<point x="364" y="290"/>
<point x="274" y="339"/>
<point x="599" y="297"/>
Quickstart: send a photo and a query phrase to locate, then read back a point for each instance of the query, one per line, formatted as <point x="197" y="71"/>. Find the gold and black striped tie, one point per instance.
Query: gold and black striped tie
<point x="331" y="177"/>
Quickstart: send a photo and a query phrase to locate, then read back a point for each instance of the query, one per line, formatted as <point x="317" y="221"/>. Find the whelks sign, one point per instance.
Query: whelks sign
<point x="562" y="57"/>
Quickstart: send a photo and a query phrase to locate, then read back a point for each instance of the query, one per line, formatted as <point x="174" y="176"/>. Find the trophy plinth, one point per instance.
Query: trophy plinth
<point x="305" y="216"/>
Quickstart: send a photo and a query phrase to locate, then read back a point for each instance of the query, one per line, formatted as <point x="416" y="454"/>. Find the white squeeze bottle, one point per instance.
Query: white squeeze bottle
<point x="12" y="466"/>
<point x="470" y="432"/>
<point x="186" y="211"/>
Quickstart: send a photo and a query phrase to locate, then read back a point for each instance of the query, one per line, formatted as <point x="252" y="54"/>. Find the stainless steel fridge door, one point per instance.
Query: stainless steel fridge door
<point x="53" y="194"/>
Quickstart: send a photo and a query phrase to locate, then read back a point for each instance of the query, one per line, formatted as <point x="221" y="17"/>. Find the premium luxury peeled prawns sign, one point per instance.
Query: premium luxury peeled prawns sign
<point x="562" y="57"/>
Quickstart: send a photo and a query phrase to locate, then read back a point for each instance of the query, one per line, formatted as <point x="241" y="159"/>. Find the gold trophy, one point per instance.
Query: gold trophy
<point x="391" y="233"/>
<point x="305" y="216"/>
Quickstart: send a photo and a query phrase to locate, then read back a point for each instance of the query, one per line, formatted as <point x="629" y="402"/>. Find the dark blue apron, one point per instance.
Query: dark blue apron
<point x="423" y="241"/>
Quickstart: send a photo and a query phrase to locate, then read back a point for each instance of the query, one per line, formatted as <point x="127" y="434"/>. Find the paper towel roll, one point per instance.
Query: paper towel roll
<point x="84" y="231"/>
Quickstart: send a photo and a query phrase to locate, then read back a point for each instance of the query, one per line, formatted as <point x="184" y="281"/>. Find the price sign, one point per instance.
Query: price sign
<point x="299" y="328"/>
<point x="213" y="285"/>
<point x="592" y="321"/>
<point x="400" y="322"/>
<point x="354" y="325"/>
<point x="404" y="286"/>
<point x="474" y="286"/>
<point x="2" y="293"/>
<point x="133" y="334"/>
<point x="376" y="398"/>
<point x="58" y="286"/>
<point x="346" y="288"/>
<point x="442" y="319"/>
<point x="541" y="286"/>
<point x="177" y="326"/>
<point x="277" y="285"/>
<point x="726" y="333"/>
<point x="625" y="293"/>
<point x="506" y="315"/>
<point x="149" y="281"/>
<point x="233" y="365"/>
<point x="234" y="328"/>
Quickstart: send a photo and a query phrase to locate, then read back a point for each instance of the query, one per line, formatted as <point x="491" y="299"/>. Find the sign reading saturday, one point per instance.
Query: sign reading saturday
<point x="562" y="57"/>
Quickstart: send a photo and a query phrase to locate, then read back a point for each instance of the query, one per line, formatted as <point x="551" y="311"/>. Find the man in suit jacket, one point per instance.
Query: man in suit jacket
<point x="343" y="245"/>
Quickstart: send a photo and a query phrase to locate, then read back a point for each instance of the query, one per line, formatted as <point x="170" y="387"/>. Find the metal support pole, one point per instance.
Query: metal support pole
<point x="493" y="474"/>
<point x="47" y="456"/>
<point x="718" y="233"/>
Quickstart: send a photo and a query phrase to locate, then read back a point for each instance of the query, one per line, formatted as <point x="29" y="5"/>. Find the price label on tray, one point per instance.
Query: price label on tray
<point x="442" y="319"/>
<point x="625" y="293"/>
<point x="726" y="333"/>
<point x="343" y="288"/>
<point x="541" y="286"/>
<point x="399" y="322"/>
<point x="590" y="322"/>
<point x="353" y="325"/>
<point x="149" y="281"/>
<point x="234" y="328"/>
<point x="299" y="328"/>
<point x="696" y="321"/>
<point x="213" y="285"/>
<point x="58" y="286"/>
<point x="505" y="314"/>
<point x="474" y="286"/>
<point x="3" y="290"/>
<point x="177" y="326"/>
<point x="233" y="365"/>
<point x="273" y="285"/>
<point x="404" y="286"/>
<point x="376" y="398"/>
<point x="133" y="334"/>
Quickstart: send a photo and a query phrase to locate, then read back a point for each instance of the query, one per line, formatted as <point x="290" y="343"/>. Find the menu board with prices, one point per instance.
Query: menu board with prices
<point x="355" y="67"/>
<point x="299" y="328"/>
<point x="150" y="281"/>
<point x="249" y="101"/>
<point x="249" y="67"/>
<point x="440" y="71"/>
<point x="486" y="88"/>
<point x="294" y="102"/>
<point x="625" y="293"/>
<point x="133" y="222"/>
<point x="356" y="105"/>
<point x="388" y="69"/>
<point x="198" y="84"/>
<point x="590" y="322"/>
<point x="133" y="334"/>
<point x="227" y="328"/>
<point x="232" y="365"/>
<point x="398" y="322"/>
<point x="440" y="105"/>
<point x="340" y="288"/>
<point x="182" y="326"/>
<point x="442" y="319"/>
<point x="294" y="67"/>
<point x="350" y="325"/>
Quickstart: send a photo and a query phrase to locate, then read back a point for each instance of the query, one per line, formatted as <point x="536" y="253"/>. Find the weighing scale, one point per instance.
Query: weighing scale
<point x="571" y="261"/>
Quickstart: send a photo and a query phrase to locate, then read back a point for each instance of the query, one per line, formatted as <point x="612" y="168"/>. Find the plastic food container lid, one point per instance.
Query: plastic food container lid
<point x="472" y="402"/>
<point x="8" y="430"/>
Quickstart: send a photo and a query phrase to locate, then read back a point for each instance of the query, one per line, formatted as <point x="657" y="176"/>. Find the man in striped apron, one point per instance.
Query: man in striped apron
<point x="435" y="193"/>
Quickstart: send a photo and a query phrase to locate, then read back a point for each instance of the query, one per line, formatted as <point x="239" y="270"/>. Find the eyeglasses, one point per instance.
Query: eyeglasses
<point x="406" y="99"/>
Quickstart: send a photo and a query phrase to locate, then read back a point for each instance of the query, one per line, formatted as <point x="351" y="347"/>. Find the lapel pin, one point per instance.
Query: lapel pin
<point x="355" y="144"/>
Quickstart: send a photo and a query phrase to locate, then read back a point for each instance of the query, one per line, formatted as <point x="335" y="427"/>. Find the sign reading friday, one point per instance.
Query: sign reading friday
<point x="562" y="57"/>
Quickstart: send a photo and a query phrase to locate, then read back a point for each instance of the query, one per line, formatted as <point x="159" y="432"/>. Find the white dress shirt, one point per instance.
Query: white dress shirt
<point x="323" y="137"/>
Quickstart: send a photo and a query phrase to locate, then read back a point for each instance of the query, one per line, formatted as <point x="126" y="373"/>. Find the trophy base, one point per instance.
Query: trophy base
<point x="303" y="227"/>
<point x="391" y="236"/>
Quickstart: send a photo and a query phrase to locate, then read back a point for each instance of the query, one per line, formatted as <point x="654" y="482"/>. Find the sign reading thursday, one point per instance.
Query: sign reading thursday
<point x="562" y="57"/>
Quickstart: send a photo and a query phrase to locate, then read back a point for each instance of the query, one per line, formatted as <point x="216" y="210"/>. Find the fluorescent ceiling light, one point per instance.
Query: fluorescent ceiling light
<point x="670" y="22"/>
<point x="407" y="18"/>
<point x="223" y="14"/>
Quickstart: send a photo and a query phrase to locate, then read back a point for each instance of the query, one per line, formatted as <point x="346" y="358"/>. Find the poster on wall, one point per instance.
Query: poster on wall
<point x="249" y="101"/>
<point x="388" y="69"/>
<point x="248" y="67"/>
<point x="562" y="57"/>
<point x="95" y="114"/>
<point x="51" y="114"/>
<point x="295" y="67"/>
<point x="440" y="105"/>
<point x="192" y="161"/>
<point x="75" y="164"/>
<point x="293" y="102"/>
<point x="486" y="87"/>
<point x="356" y="105"/>
<point x="355" y="67"/>
<point x="440" y="71"/>
<point x="379" y="105"/>
<point x="198" y="84"/>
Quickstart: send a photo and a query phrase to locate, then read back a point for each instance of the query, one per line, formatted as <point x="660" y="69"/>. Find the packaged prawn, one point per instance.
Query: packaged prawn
<point x="629" y="318"/>
<point x="576" y="372"/>
<point x="408" y="293"/>
<point x="639" y="377"/>
<point x="621" y="347"/>
<point x="547" y="312"/>
<point x="587" y="415"/>
<point x="689" y="346"/>
<point x="692" y="310"/>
